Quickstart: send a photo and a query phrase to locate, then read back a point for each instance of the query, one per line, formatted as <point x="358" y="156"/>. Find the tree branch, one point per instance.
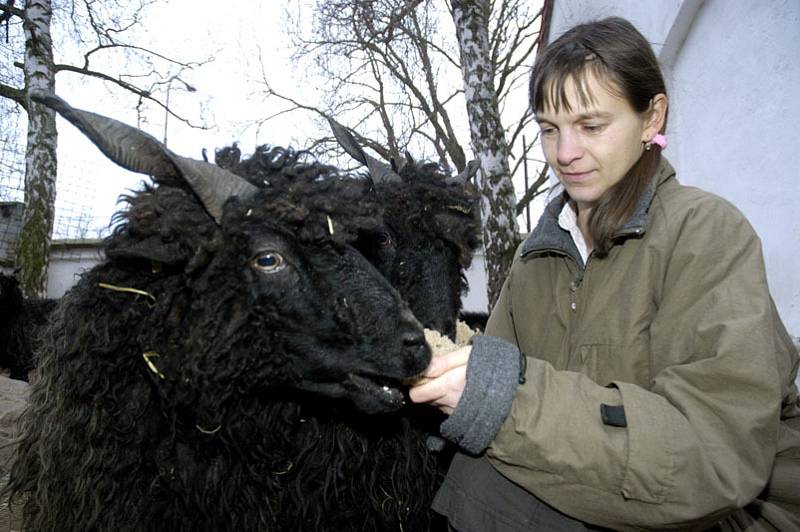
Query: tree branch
<point x="534" y="190"/>
<point x="8" y="10"/>
<point x="143" y="94"/>
<point x="12" y="93"/>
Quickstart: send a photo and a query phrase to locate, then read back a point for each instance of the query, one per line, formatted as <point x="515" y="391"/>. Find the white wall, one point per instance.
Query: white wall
<point x="733" y="75"/>
<point x="67" y="261"/>
<point x="476" y="299"/>
<point x="735" y="127"/>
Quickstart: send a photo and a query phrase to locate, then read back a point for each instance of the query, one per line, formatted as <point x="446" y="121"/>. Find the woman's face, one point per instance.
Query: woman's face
<point x="590" y="148"/>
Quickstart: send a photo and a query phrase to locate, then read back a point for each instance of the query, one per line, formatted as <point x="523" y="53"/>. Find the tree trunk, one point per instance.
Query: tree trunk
<point x="33" y="246"/>
<point x="500" y="235"/>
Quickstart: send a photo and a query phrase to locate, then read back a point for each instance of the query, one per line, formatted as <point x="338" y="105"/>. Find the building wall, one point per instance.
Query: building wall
<point x="68" y="260"/>
<point x="475" y="299"/>
<point x="733" y="70"/>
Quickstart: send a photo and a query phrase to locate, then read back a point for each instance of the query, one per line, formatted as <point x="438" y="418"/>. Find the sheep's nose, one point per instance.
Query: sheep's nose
<point x="416" y="351"/>
<point x="414" y="346"/>
<point x="413" y="338"/>
<point x="412" y="333"/>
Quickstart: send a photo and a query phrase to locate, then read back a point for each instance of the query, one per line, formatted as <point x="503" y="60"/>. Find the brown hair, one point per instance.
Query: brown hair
<point x="617" y="54"/>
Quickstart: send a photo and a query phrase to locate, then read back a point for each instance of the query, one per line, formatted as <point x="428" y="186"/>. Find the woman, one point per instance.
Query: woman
<point x="634" y="373"/>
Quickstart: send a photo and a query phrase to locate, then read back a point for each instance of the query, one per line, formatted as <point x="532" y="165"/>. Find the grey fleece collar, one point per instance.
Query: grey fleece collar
<point x="549" y="236"/>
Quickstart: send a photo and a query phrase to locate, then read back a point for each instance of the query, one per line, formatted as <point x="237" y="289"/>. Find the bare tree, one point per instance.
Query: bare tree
<point x="380" y="73"/>
<point x="392" y="71"/>
<point x="97" y="29"/>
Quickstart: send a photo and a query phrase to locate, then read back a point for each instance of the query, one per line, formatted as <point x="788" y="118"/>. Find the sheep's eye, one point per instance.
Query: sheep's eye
<point x="384" y="239"/>
<point x="268" y="262"/>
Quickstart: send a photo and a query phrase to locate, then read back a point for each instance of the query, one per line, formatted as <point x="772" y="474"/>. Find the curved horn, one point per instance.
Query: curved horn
<point x="468" y="173"/>
<point x="129" y="147"/>
<point x="379" y="171"/>
<point x="139" y="152"/>
<point x="212" y="184"/>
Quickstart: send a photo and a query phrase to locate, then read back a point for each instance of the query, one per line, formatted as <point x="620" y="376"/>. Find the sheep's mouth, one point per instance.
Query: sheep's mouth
<point x="373" y="394"/>
<point x="369" y="393"/>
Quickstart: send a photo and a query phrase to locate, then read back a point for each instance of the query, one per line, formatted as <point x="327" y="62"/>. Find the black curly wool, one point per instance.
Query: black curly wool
<point x="181" y="389"/>
<point x="21" y="319"/>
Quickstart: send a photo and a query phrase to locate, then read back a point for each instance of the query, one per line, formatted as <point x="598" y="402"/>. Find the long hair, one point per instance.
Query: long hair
<point x="614" y="52"/>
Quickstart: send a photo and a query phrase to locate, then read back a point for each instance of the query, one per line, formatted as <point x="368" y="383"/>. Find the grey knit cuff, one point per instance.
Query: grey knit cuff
<point x="492" y="379"/>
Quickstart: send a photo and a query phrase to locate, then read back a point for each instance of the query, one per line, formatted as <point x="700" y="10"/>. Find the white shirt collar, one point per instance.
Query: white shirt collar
<point x="568" y="220"/>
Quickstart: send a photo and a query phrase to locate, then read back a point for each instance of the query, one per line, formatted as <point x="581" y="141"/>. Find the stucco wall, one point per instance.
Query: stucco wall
<point x="733" y="71"/>
<point x="68" y="259"/>
<point x="475" y="298"/>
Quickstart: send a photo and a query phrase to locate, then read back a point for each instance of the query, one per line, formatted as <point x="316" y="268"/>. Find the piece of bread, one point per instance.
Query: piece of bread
<point x="441" y="344"/>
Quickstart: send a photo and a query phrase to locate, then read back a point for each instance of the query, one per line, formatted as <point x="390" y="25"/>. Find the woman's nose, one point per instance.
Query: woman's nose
<point x="568" y="149"/>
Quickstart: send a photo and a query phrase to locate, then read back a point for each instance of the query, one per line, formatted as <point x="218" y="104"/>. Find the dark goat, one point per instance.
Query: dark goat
<point x="20" y="322"/>
<point x="178" y="379"/>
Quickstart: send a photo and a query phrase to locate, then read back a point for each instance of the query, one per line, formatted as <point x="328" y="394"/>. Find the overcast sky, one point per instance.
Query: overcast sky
<point x="226" y="96"/>
<point x="227" y="99"/>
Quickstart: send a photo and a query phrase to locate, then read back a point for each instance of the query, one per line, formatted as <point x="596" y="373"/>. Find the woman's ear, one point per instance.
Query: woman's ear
<point x="655" y="116"/>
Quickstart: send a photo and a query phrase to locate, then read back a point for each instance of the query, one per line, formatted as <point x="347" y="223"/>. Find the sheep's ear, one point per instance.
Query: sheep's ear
<point x="379" y="171"/>
<point x="139" y="152"/>
<point x="468" y="173"/>
<point x="152" y="248"/>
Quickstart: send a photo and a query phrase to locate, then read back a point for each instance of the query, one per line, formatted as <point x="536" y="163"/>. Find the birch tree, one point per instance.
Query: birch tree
<point x="499" y="214"/>
<point x="98" y="28"/>
<point x="33" y="247"/>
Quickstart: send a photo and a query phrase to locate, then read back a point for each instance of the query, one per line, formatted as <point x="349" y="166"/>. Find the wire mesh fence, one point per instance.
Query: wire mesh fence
<point x="12" y="173"/>
<point x="78" y="213"/>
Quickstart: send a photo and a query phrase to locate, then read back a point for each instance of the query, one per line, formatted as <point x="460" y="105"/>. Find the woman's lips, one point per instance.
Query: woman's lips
<point x="576" y="177"/>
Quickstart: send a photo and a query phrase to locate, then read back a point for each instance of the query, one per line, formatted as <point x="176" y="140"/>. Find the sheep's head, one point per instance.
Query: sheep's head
<point x="432" y="228"/>
<point x="430" y="234"/>
<point x="263" y="290"/>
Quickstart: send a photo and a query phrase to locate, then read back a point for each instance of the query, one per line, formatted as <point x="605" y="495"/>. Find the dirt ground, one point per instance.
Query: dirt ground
<point x="13" y="397"/>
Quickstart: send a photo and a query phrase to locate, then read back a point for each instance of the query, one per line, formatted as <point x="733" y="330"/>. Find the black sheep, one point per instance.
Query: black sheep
<point x="182" y="382"/>
<point x="21" y="319"/>
<point x="431" y="231"/>
<point x="428" y="235"/>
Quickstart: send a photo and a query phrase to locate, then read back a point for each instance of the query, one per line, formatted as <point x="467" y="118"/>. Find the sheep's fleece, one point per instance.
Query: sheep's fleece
<point x="209" y="374"/>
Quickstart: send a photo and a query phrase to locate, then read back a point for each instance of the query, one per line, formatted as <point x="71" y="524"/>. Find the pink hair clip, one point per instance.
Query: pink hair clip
<point x="660" y="140"/>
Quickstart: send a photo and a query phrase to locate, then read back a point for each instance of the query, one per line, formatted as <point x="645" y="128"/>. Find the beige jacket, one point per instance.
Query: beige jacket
<point x="676" y="326"/>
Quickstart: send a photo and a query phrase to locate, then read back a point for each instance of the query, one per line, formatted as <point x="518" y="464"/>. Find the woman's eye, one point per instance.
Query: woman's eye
<point x="548" y="131"/>
<point x="593" y="128"/>
<point x="268" y="262"/>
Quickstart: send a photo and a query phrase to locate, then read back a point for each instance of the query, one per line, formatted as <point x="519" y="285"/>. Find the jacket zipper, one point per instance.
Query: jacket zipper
<point x="575" y="284"/>
<point x="579" y="273"/>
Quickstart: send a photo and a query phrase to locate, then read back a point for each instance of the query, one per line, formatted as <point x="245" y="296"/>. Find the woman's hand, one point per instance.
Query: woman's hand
<point x="448" y="376"/>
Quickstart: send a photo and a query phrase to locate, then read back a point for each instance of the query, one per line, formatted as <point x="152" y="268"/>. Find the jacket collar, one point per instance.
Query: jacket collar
<point x="549" y="236"/>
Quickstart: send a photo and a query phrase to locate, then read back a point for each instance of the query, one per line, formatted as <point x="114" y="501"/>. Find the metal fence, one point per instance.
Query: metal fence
<point x="78" y="215"/>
